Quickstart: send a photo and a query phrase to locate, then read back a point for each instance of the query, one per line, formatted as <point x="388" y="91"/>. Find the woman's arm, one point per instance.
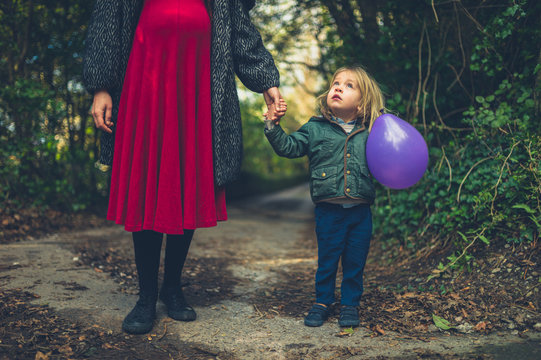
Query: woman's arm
<point x="254" y="65"/>
<point x="102" y="54"/>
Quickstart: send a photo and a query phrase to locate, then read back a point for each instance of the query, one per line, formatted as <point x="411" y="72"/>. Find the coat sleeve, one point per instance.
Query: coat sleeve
<point x="102" y="47"/>
<point x="289" y="146"/>
<point x="254" y="65"/>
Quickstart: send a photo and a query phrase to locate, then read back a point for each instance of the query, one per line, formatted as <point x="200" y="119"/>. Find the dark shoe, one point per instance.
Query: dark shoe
<point x="316" y="316"/>
<point x="141" y="319"/>
<point x="177" y="307"/>
<point x="349" y="316"/>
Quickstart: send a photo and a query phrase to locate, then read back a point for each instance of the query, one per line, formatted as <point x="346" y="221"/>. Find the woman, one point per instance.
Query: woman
<point x="163" y="77"/>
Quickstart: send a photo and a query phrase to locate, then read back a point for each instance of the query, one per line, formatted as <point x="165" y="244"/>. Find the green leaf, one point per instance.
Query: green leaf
<point x="524" y="207"/>
<point x="479" y="99"/>
<point x="484" y="239"/>
<point x="463" y="236"/>
<point x="441" y="322"/>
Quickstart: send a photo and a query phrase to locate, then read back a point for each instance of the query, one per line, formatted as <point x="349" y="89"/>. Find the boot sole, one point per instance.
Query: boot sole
<point x="313" y="323"/>
<point x="183" y="315"/>
<point x="137" y="328"/>
<point x="349" y="323"/>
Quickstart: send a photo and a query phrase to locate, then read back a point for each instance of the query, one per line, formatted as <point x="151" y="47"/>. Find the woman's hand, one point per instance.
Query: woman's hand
<point x="282" y="104"/>
<point x="102" y="110"/>
<point x="276" y="106"/>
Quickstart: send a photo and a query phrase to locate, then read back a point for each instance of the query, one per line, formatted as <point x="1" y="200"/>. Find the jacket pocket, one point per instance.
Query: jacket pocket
<point x="366" y="187"/>
<point x="324" y="181"/>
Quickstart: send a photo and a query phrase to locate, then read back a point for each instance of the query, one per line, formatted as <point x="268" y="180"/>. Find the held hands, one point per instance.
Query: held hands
<point x="102" y="111"/>
<point x="276" y="105"/>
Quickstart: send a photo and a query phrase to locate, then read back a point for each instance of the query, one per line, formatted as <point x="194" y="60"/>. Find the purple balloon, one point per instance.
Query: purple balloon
<point x="396" y="152"/>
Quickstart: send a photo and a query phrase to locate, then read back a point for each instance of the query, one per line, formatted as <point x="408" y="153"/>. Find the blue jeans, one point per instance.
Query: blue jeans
<point x="341" y="233"/>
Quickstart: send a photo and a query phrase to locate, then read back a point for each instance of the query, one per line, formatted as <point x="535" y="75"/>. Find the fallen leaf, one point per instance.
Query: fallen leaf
<point x="441" y="322"/>
<point x="481" y="326"/>
<point x="65" y="349"/>
<point x="408" y="295"/>
<point x="379" y="330"/>
<point x="345" y="332"/>
<point x="41" y="356"/>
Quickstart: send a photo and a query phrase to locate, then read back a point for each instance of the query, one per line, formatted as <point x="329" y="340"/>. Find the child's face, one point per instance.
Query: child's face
<point x="344" y="97"/>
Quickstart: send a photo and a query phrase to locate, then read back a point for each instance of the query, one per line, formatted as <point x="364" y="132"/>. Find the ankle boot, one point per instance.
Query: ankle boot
<point x="171" y="293"/>
<point x="147" y="247"/>
<point x="177" y="306"/>
<point x="141" y="319"/>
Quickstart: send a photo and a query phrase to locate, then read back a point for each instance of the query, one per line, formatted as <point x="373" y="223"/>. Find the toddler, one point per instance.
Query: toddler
<point x="340" y="186"/>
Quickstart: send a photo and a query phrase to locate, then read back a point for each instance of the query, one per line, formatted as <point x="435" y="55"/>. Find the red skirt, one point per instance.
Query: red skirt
<point x="163" y="177"/>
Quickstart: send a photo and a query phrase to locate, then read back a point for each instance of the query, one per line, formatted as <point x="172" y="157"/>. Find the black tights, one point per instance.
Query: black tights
<point x="147" y="245"/>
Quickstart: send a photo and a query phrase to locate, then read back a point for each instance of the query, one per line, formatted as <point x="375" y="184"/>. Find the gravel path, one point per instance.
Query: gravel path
<point x="263" y="242"/>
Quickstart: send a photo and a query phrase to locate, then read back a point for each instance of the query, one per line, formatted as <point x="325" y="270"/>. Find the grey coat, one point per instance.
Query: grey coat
<point x="236" y="48"/>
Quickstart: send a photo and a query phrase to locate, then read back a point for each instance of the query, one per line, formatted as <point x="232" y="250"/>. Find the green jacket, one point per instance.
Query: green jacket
<point x="338" y="168"/>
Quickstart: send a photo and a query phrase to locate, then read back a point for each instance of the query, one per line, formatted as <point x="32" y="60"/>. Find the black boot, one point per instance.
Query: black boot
<point x="177" y="306"/>
<point x="147" y="246"/>
<point x="171" y="293"/>
<point x="141" y="319"/>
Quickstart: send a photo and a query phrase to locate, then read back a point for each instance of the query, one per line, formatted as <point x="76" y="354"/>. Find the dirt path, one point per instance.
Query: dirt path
<point x="238" y="272"/>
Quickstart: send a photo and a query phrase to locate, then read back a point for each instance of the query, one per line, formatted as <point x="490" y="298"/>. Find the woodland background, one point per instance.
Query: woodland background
<point x="465" y="73"/>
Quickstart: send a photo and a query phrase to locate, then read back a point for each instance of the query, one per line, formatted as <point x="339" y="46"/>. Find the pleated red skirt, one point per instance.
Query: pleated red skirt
<point x="162" y="176"/>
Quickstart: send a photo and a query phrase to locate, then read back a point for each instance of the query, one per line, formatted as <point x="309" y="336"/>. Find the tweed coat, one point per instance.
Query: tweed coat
<point x="236" y="48"/>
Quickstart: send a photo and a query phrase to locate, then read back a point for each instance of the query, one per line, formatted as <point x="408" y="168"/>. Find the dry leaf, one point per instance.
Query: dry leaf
<point x="481" y="326"/>
<point x="408" y="295"/>
<point x="344" y="333"/>
<point x="65" y="349"/>
<point x="41" y="356"/>
<point x="379" y="330"/>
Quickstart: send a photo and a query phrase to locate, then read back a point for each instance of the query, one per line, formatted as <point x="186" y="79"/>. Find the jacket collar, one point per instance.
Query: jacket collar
<point x="359" y="125"/>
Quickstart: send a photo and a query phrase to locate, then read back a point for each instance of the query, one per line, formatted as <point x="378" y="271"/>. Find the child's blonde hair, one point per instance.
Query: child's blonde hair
<point x="372" y="102"/>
